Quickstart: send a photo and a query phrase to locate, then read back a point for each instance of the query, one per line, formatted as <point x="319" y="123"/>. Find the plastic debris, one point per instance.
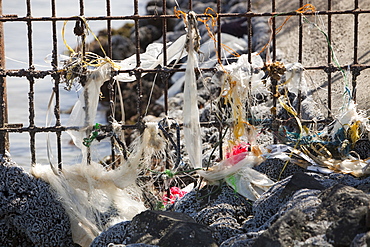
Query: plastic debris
<point x="152" y="58"/>
<point x="192" y="134"/>
<point x="238" y="173"/>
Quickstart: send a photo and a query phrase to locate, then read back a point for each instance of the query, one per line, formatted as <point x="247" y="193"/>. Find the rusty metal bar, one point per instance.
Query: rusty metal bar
<point x="15" y="18"/>
<point x="164" y="75"/>
<point x="250" y="31"/>
<point x="274" y="82"/>
<point x="329" y="60"/>
<point x="190" y="5"/>
<point x="39" y="74"/>
<point x="83" y="79"/>
<point x="355" y="73"/>
<point x="300" y="54"/>
<point x="273" y="9"/>
<point x="4" y="137"/>
<point x="111" y="88"/>
<point x="138" y="72"/>
<point x="219" y="39"/>
<point x="31" y="93"/>
<point x="109" y="30"/>
<point x="56" y="77"/>
<point x="219" y="57"/>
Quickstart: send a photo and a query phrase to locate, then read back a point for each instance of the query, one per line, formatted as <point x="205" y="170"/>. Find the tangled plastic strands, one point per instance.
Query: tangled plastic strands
<point x="352" y="164"/>
<point x="212" y="16"/>
<point x="164" y="125"/>
<point x="237" y="81"/>
<point x="77" y="64"/>
<point x="88" y="71"/>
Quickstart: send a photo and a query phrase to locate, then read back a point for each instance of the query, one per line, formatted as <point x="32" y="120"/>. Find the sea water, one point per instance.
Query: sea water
<point x="16" y="52"/>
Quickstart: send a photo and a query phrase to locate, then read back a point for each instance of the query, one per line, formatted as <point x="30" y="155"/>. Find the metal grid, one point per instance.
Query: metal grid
<point x="31" y="74"/>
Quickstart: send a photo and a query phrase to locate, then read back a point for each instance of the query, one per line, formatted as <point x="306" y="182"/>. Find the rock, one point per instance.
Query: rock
<point x="348" y="209"/>
<point x="270" y="202"/>
<point x="245" y="239"/>
<point x="338" y="220"/>
<point x="157" y="228"/>
<point x="238" y="27"/>
<point x="168" y="229"/>
<point x="219" y="207"/>
<point x="114" y="234"/>
<point x="30" y="214"/>
<point x="362" y="148"/>
<point x="277" y="169"/>
<point x="345" y="179"/>
<point x="148" y="34"/>
<point x="301" y="181"/>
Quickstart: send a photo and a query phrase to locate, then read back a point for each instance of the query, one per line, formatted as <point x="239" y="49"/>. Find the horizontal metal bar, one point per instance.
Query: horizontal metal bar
<point x="14" y="18"/>
<point x="38" y="74"/>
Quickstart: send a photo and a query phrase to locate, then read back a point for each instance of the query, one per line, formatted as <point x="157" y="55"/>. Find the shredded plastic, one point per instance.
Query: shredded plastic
<point x="192" y="134"/>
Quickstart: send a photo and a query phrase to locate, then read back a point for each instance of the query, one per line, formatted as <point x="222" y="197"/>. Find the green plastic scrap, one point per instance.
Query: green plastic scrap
<point x="231" y="180"/>
<point x="88" y="140"/>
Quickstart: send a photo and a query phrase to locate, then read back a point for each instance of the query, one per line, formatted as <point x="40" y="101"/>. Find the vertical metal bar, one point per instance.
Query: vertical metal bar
<point x="83" y="79"/>
<point x="4" y="137"/>
<point x="31" y="93"/>
<point x="219" y="56"/>
<point x="138" y="62"/>
<point x="250" y="31"/>
<point x="300" y="31"/>
<point x="109" y="29"/>
<point x="83" y="36"/>
<point x="82" y="8"/>
<point x="355" y="71"/>
<point x="300" y="56"/>
<point x="329" y="60"/>
<point x="219" y="39"/>
<point x="190" y="5"/>
<point x="111" y="90"/>
<point x="165" y="76"/>
<point x="275" y="125"/>
<point x="56" y="78"/>
<point x="273" y="9"/>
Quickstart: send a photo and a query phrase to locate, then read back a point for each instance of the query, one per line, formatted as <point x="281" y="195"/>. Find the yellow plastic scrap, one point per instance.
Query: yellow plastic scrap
<point x="292" y="111"/>
<point x="232" y="97"/>
<point x="354" y="131"/>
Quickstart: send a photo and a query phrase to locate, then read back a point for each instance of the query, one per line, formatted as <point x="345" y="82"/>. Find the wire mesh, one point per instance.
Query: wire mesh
<point x="31" y="74"/>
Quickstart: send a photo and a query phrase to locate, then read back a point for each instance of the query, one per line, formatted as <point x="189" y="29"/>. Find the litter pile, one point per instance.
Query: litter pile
<point x="251" y="104"/>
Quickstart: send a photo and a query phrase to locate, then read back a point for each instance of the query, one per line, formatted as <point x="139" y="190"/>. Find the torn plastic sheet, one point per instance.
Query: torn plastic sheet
<point x="192" y="135"/>
<point x="152" y="58"/>
<point x="295" y="79"/>
<point x="238" y="173"/>
<point x="207" y="51"/>
<point x="84" y="111"/>
<point x="348" y="116"/>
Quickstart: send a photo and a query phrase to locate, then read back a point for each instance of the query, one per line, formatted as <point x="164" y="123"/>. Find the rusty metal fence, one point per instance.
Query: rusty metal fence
<point x="30" y="74"/>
